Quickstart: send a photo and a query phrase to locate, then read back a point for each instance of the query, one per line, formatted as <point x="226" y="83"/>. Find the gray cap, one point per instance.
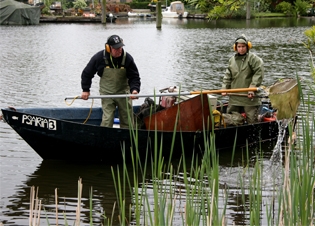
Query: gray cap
<point x="241" y="39"/>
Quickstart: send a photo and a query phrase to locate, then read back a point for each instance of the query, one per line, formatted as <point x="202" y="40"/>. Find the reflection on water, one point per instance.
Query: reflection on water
<point x="41" y="65"/>
<point x="63" y="176"/>
<point x="51" y="175"/>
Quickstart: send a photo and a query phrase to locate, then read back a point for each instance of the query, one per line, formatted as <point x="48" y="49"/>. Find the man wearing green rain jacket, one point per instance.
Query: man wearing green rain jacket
<point x="245" y="70"/>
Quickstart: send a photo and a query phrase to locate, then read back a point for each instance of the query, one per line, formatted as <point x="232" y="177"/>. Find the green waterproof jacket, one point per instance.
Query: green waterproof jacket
<point x="244" y="71"/>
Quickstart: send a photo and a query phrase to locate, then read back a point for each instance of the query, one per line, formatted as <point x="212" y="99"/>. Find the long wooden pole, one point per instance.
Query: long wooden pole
<point x="103" y="11"/>
<point x="245" y="95"/>
<point x="171" y="94"/>
<point x="158" y="11"/>
<point x="253" y="89"/>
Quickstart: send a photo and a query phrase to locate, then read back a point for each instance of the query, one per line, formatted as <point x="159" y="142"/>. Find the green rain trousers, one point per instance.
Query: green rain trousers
<point x="114" y="81"/>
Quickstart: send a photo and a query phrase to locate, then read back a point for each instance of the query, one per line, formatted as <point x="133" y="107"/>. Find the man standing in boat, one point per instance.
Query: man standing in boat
<point x="245" y="70"/>
<point x="119" y="75"/>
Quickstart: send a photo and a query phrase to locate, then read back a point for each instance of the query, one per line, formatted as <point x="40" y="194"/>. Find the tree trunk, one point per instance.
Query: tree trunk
<point x="247" y="10"/>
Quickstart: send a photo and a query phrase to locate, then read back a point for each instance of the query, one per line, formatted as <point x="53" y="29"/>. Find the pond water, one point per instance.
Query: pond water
<point x="41" y="65"/>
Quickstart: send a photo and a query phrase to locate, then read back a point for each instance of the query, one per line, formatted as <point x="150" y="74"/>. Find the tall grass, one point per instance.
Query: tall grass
<point x="201" y="206"/>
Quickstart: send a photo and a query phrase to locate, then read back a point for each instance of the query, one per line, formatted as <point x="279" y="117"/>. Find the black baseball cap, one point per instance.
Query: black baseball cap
<point x="115" y="41"/>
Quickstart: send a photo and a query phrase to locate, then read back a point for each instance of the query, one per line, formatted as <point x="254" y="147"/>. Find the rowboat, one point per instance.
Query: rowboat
<point x="172" y="125"/>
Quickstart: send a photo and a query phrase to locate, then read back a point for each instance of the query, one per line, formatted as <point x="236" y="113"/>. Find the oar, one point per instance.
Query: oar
<point x="255" y="89"/>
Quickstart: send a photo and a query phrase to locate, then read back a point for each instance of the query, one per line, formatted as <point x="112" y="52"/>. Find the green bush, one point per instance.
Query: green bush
<point x="79" y="4"/>
<point x="301" y="7"/>
<point x="139" y="5"/>
<point x="239" y="14"/>
<point x="284" y="7"/>
<point x="46" y="11"/>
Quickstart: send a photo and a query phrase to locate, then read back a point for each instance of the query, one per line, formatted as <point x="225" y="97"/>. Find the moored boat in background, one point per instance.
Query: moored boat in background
<point x="17" y="13"/>
<point x="175" y="10"/>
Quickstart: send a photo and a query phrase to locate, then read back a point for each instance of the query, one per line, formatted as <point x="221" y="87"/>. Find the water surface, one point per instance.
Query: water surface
<point x="41" y="65"/>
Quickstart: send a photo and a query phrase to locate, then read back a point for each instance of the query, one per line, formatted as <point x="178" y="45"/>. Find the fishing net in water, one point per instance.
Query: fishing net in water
<point x="285" y="97"/>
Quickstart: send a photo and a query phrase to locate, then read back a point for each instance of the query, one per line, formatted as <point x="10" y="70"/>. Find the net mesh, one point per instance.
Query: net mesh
<point x="285" y="97"/>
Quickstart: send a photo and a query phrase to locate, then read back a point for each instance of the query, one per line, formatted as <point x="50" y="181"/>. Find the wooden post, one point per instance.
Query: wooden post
<point x="158" y="14"/>
<point x="103" y="11"/>
<point x="247" y="10"/>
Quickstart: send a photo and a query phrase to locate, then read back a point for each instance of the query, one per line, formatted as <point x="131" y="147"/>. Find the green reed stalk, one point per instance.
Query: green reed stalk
<point x="255" y="195"/>
<point x="91" y="206"/>
<point x="137" y="171"/>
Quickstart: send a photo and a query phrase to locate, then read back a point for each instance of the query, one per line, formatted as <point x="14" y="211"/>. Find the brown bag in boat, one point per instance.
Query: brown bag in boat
<point x="147" y="108"/>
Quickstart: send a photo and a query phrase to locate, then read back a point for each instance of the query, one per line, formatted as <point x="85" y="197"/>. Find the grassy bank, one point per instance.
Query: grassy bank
<point x="265" y="14"/>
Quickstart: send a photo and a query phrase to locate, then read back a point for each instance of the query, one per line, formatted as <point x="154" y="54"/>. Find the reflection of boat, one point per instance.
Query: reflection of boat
<point x="110" y="18"/>
<point x="75" y="134"/>
<point x="174" y="22"/>
<point x="175" y="10"/>
<point x="130" y="14"/>
<point x="144" y="15"/>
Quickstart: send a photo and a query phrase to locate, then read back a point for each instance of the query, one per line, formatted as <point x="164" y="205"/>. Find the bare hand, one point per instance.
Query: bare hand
<point x="134" y="92"/>
<point x="223" y="94"/>
<point x="251" y="95"/>
<point x="85" y="95"/>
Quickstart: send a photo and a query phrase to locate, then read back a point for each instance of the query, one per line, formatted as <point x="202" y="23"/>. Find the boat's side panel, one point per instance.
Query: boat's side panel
<point x="68" y="140"/>
<point x="60" y="139"/>
<point x="242" y="136"/>
<point x="190" y="115"/>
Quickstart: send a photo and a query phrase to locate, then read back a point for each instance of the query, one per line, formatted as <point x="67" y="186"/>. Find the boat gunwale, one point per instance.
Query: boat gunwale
<point x="28" y="110"/>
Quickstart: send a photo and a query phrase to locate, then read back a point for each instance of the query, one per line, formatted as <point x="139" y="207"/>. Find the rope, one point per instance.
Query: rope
<point x="90" y="112"/>
<point x="76" y="97"/>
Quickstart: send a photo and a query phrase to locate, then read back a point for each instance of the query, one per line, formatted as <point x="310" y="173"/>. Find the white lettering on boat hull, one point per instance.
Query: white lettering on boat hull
<point x="39" y="122"/>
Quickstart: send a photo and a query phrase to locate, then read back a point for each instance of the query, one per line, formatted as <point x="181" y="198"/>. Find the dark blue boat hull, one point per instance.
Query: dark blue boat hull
<point x="59" y="134"/>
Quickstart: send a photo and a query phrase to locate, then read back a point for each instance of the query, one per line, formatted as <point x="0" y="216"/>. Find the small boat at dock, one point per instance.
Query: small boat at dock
<point x="175" y="10"/>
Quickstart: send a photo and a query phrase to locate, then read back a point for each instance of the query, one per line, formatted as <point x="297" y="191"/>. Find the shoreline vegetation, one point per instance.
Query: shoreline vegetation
<point x="97" y="19"/>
